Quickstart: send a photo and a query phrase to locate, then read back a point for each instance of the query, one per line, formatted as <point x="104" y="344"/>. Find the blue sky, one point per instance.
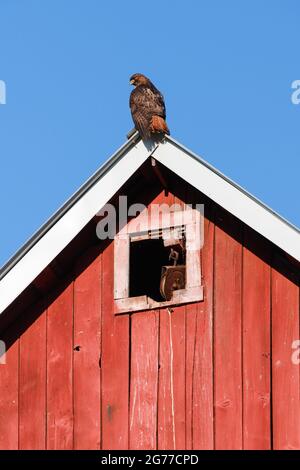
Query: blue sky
<point x="225" y="68"/>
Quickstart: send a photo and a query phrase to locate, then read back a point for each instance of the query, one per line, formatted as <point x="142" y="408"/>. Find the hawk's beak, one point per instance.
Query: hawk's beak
<point x="131" y="82"/>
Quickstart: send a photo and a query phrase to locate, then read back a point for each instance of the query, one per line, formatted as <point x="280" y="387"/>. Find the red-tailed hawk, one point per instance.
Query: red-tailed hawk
<point x="147" y="108"/>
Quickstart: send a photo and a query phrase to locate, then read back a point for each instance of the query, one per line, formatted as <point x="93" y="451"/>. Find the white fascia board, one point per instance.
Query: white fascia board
<point x="68" y="226"/>
<point x="229" y="196"/>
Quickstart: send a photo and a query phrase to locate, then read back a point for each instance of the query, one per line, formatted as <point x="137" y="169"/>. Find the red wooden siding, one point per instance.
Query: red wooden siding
<point x="87" y="343"/>
<point x="60" y="371"/>
<point x="214" y="374"/>
<point x="285" y="374"/>
<point x="256" y="345"/>
<point x="9" y="394"/>
<point x="200" y="361"/>
<point x="114" y="364"/>
<point x="143" y="383"/>
<point x="32" y="386"/>
<point x="171" y="403"/>
<point x="228" y="334"/>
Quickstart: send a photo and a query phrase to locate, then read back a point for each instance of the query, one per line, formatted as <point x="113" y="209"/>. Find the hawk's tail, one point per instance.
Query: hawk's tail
<point x="159" y="126"/>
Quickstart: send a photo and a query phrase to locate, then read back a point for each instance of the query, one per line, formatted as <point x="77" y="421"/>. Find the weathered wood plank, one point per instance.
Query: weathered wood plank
<point x="171" y="392"/>
<point x="172" y="345"/>
<point x="60" y="371"/>
<point x="143" y="383"/>
<point x="285" y="374"/>
<point x="9" y="370"/>
<point x="191" y="335"/>
<point x="32" y="386"/>
<point x="183" y="197"/>
<point x="202" y="393"/>
<point x="256" y="343"/>
<point x="227" y="333"/>
<point x="87" y="353"/>
<point x="115" y="363"/>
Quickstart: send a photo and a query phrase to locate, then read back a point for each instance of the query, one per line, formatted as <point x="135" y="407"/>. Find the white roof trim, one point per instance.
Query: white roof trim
<point x="69" y="225"/>
<point x="55" y="237"/>
<point x="230" y="196"/>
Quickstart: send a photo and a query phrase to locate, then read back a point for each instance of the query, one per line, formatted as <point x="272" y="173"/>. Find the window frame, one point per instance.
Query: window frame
<point x="192" y="221"/>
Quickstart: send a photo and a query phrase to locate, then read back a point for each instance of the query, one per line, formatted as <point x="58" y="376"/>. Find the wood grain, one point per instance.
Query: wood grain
<point x="32" y="386"/>
<point x="115" y="363"/>
<point x="171" y="395"/>
<point x="60" y="371"/>
<point x="227" y="334"/>
<point x="256" y="345"/>
<point x="143" y="381"/>
<point x="87" y="354"/>
<point x="285" y="374"/>
<point x="202" y="389"/>
<point x="9" y="391"/>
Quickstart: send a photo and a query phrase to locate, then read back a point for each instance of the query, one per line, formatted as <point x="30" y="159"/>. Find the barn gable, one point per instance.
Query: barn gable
<point x="71" y="219"/>
<point x="220" y="372"/>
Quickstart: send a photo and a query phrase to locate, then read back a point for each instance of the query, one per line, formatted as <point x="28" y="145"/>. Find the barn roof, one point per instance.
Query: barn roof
<point x="21" y="270"/>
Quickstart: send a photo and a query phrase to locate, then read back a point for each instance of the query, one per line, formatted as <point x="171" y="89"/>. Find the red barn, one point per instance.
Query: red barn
<point x="178" y="331"/>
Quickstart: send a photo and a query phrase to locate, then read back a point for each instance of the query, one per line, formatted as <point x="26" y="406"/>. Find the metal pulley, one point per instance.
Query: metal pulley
<point x="172" y="278"/>
<point x="173" y="275"/>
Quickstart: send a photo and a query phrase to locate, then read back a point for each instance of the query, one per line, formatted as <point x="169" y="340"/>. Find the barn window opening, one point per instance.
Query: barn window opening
<point x="157" y="264"/>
